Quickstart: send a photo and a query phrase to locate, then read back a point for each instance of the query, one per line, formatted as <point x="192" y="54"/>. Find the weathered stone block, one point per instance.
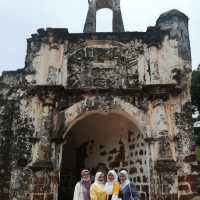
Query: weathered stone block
<point x="38" y="196"/>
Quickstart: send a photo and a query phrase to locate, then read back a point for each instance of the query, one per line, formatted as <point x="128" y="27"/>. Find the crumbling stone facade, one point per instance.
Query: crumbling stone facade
<point x="100" y="100"/>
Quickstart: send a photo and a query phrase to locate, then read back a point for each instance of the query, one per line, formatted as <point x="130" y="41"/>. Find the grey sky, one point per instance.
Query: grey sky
<point x="20" y="18"/>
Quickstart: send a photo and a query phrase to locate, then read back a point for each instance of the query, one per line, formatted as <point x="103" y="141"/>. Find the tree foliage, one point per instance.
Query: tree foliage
<point x="195" y="90"/>
<point x="195" y="93"/>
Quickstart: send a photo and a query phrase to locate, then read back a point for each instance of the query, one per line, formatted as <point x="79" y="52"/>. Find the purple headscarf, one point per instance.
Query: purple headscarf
<point x="85" y="184"/>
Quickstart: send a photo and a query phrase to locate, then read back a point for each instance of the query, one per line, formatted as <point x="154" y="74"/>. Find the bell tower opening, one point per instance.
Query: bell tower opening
<point x="102" y="142"/>
<point x="96" y="5"/>
<point x="104" y="20"/>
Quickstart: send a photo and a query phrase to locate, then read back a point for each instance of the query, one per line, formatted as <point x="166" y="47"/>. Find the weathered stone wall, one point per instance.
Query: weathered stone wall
<point x="145" y="75"/>
<point x="5" y="137"/>
<point x="130" y="56"/>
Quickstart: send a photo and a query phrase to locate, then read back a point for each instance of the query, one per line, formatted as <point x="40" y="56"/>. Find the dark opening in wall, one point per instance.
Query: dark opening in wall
<point x="100" y="142"/>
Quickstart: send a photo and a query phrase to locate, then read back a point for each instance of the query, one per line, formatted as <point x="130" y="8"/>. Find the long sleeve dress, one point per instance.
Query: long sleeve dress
<point x="96" y="193"/>
<point x="78" y="192"/>
<point x="115" y="191"/>
<point x="129" y="191"/>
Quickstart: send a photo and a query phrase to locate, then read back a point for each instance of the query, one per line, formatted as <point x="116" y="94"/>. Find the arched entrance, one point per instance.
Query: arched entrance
<point x="99" y="140"/>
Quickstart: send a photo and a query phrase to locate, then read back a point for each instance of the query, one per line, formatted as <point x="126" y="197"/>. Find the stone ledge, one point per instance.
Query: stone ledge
<point x="189" y="197"/>
<point x="40" y="165"/>
<point x="57" y="140"/>
<point x="159" y="90"/>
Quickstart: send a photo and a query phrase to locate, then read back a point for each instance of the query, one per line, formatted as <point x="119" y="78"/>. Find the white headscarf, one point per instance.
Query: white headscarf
<point x="127" y="181"/>
<point x="100" y="185"/>
<point x="109" y="184"/>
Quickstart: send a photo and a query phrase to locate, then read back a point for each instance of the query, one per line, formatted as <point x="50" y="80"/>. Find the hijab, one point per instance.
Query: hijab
<point x="98" y="183"/>
<point x="109" y="184"/>
<point x="85" y="183"/>
<point x="127" y="181"/>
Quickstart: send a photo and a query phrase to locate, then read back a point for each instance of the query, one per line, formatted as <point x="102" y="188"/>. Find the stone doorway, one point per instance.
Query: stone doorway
<point x="102" y="141"/>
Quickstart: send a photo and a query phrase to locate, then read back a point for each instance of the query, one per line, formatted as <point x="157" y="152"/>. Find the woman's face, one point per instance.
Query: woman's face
<point x="122" y="178"/>
<point x="101" y="178"/>
<point x="86" y="177"/>
<point x="110" y="177"/>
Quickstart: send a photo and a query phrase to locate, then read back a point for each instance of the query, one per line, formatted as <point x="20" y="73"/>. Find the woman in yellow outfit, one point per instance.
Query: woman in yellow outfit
<point x="97" y="190"/>
<point x="112" y="186"/>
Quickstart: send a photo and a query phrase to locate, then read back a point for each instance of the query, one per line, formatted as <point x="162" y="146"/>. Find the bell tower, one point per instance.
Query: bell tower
<point x="94" y="6"/>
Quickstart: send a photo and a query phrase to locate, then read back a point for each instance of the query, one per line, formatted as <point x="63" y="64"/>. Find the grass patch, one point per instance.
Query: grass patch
<point x="198" y="152"/>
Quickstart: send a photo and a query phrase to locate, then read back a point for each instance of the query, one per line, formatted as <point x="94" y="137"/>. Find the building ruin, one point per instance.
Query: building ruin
<point x="100" y="101"/>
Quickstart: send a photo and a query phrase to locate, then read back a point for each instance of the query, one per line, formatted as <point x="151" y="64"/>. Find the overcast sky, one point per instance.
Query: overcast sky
<point x="20" y="18"/>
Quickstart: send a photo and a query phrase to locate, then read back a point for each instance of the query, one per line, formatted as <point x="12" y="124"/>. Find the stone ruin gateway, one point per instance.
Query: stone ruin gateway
<point x="100" y="101"/>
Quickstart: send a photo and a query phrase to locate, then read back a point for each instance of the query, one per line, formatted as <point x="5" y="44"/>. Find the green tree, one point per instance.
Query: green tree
<point x="195" y="92"/>
<point x="196" y="88"/>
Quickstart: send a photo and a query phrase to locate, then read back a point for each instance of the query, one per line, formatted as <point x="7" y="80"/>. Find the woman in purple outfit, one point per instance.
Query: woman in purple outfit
<point x="82" y="188"/>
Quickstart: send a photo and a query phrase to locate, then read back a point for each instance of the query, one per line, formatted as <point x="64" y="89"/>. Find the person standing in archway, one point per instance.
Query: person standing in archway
<point x="98" y="190"/>
<point x="112" y="186"/>
<point x="128" y="189"/>
<point x="82" y="188"/>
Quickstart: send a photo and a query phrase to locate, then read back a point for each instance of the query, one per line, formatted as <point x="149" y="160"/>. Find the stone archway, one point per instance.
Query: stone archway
<point x="103" y="105"/>
<point x="101" y="134"/>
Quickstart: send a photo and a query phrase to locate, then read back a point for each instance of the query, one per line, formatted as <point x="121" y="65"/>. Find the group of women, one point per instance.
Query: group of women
<point x="112" y="189"/>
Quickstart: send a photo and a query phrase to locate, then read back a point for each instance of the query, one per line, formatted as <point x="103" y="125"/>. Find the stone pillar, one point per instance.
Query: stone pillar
<point x="42" y="145"/>
<point x="118" y="25"/>
<point x="176" y="23"/>
<point x="164" y="184"/>
<point x="90" y="23"/>
<point x="44" y="176"/>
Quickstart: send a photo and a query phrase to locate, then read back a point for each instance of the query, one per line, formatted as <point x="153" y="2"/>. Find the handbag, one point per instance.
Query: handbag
<point x="131" y="197"/>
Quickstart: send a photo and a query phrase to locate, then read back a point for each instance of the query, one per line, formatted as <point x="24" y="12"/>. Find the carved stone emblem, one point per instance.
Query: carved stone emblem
<point x="103" y="67"/>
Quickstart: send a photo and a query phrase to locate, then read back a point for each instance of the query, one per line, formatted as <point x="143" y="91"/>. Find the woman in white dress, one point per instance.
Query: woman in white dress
<point x="112" y="186"/>
<point x="82" y="188"/>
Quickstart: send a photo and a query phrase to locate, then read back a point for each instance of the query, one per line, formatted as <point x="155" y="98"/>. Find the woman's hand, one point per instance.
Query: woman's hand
<point x="114" y="197"/>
